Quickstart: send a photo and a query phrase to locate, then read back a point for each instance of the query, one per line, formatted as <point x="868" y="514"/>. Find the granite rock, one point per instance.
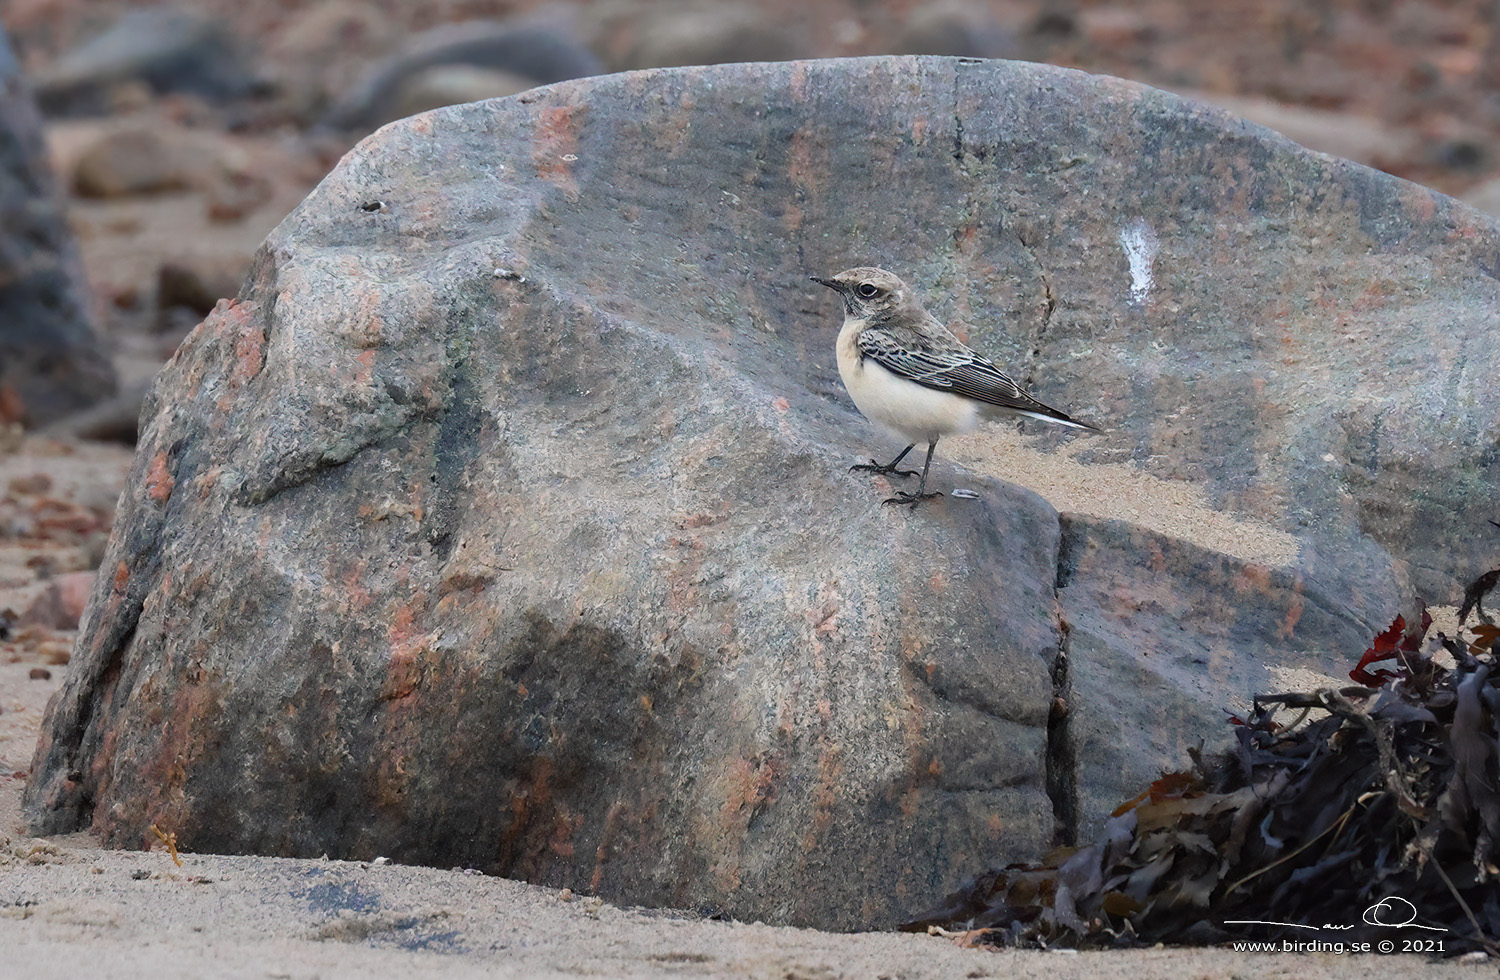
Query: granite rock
<point x="1192" y="635"/>
<point x="503" y="519"/>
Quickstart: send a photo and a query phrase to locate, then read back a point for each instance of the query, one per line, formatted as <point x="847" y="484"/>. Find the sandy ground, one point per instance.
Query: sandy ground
<point x="69" y="906"/>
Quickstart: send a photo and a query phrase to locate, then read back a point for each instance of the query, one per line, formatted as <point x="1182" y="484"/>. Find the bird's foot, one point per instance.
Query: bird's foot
<point x="904" y="499"/>
<point x="880" y="469"/>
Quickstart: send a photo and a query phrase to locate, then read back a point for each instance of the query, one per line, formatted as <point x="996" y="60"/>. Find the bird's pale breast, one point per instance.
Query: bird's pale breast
<point x="917" y="413"/>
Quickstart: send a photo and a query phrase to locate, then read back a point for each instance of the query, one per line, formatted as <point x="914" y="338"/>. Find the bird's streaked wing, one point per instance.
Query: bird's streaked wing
<point x="955" y="369"/>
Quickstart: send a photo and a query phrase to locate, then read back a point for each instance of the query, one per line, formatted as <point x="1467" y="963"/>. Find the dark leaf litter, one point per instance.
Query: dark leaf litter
<point x="1357" y="815"/>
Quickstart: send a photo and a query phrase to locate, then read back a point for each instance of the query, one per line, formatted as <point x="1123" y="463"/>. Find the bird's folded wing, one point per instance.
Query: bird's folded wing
<point x="955" y="369"/>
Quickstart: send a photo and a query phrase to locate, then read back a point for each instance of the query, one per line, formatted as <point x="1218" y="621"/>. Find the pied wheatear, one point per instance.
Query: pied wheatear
<point x="906" y="371"/>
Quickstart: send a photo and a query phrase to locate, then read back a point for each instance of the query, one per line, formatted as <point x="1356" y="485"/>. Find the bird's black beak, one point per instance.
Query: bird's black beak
<point x="826" y="282"/>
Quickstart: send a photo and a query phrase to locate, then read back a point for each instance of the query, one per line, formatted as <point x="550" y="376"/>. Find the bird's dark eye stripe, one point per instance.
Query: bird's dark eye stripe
<point x="867" y="289"/>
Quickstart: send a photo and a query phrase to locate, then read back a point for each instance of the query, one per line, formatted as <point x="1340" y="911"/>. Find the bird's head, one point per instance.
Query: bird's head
<point x="869" y="293"/>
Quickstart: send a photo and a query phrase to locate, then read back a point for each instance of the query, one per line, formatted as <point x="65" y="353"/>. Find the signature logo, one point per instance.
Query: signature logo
<point x="1392" y="912"/>
<point x="1395" y="912"/>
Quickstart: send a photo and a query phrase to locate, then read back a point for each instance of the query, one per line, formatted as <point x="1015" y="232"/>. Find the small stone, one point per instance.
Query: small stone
<point x="441" y="85"/>
<point x="55" y="652"/>
<point x="1115" y="27"/>
<point x="466" y="61"/>
<point x="1485" y="196"/>
<point x="235" y="196"/>
<point x="39" y="674"/>
<point x="714" y="35"/>
<point x="318" y="33"/>
<point x="139" y="160"/>
<point x="32" y="485"/>
<point x="197" y="283"/>
<point x="60" y="605"/>
<point x="959" y="30"/>
<point x="153" y="50"/>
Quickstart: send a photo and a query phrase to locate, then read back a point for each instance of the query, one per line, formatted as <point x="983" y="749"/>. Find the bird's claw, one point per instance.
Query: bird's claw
<point x="882" y="469"/>
<point x="904" y="499"/>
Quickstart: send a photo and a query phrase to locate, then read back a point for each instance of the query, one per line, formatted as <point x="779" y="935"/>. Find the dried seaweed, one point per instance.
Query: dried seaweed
<point x="1366" y="814"/>
<point x="1474" y="596"/>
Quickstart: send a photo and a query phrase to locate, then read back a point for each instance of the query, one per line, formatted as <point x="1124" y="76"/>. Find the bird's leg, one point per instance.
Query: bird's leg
<point x="889" y="469"/>
<point x="912" y="499"/>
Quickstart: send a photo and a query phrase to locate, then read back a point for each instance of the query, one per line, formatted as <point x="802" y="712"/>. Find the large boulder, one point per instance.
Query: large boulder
<point x="50" y="362"/>
<point x="503" y="520"/>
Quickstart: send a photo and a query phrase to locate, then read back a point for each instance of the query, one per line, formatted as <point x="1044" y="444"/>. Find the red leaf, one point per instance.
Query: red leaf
<point x="1386" y="647"/>
<point x="1386" y="642"/>
<point x="1412" y="641"/>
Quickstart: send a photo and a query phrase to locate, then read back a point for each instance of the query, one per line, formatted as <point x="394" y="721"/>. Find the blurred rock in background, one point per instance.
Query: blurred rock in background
<point x="1485" y="196"/>
<point x="960" y="30"/>
<point x="151" y="51"/>
<point x="463" y="62"/>
<point x="50" y="361"/>
<point x="673" y="35"/>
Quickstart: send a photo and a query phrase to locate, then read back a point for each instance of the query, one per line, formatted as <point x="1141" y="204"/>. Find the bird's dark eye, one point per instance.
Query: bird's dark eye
<point x="867" y="289"/>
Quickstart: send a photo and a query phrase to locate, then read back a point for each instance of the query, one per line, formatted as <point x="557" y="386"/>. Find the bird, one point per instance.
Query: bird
<point x="909" y="373"/>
